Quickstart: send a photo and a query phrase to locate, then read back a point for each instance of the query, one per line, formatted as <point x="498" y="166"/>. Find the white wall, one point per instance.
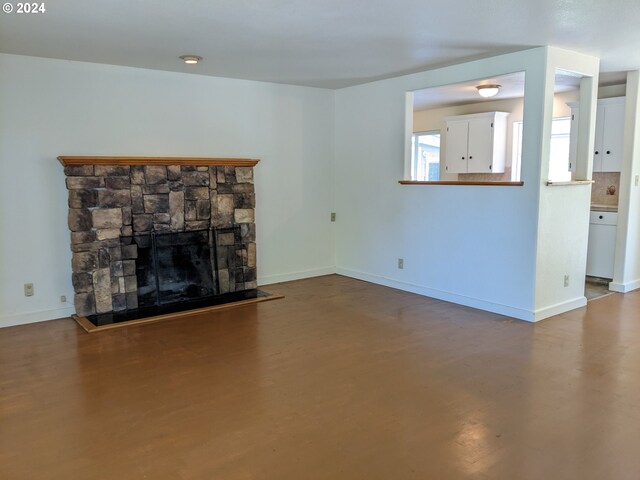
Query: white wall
<point x="502" y="249"/>
<point x="471" y="245"/>
<point x="563" y="218"/>
<point x="53" y="107"/>
<point x="627" y="263"/>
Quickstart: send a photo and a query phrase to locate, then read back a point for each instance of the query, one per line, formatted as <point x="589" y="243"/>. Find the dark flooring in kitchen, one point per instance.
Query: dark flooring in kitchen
<point x="595" y="287"/>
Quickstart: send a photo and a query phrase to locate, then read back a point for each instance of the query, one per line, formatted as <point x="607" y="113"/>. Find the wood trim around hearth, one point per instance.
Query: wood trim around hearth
<point x="123" y="161"/>
<point x="89" y="327"/>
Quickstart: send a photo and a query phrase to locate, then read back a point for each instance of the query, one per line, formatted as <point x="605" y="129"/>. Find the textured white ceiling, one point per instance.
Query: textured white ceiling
<point x="511" y="86"/>
<point x="326" y="43"/>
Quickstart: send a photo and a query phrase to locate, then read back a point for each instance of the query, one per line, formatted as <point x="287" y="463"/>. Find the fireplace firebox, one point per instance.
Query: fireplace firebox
<point x="174" y="267"/>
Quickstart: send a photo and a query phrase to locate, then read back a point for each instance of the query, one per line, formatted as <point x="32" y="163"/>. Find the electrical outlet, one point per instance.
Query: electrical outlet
<point x="63" y="298"/>
<point x="333" y="216"/>
<point x="400" y="263"/>
<point x="566" y="280"/>
<point x="28" y="289"/>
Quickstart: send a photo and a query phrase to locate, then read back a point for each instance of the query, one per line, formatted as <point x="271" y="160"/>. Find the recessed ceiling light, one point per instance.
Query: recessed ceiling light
<point x="190" y="59"/>
<point x="487" y="91"/>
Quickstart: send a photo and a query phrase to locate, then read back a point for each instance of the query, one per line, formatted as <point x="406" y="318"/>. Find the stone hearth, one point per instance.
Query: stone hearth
<point x="110" y="204"/>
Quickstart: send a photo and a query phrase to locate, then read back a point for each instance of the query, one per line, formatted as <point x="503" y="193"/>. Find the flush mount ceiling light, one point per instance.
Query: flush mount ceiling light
<point x="190" y="59"/>
<point x="487" y="91"/>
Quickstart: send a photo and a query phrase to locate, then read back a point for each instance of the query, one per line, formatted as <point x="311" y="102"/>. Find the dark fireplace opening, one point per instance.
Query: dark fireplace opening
<point x="178" y="271"/>
<point x="175" y="267"/>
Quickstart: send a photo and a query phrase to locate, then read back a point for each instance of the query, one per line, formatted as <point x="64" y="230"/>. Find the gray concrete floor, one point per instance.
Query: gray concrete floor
<point x="595" y="287"/>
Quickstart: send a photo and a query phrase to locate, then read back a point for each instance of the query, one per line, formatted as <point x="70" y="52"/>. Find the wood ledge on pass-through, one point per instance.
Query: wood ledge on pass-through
<point x="456" y="182"/>
<point x="123" y="161"/>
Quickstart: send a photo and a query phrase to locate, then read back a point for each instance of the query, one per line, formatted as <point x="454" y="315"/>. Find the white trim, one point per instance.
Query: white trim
<point x="518" y="313"/>
<point x="516" y="150"/>
<point x="624" y="287"/>
<point x="287" y="277"/>
<point x="612" y="100"/>
<point x="58" y="313"/>
<point x="507" y="310"/>
<point x="559" y="308"/>
<point x="471" y="116"/>
<point x="38" y="316"/>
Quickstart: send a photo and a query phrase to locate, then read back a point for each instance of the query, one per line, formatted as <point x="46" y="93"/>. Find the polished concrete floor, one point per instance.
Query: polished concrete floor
<point x="595" y="287"/>
<point x="340" y="380"/>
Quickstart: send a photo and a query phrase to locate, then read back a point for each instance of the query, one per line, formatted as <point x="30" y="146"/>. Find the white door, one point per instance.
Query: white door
<point x="597" y="147"/>
<point x="480" y="145"/>
<point x="573" y="140"/>
<point x="457" y="133"/>
<point x="612" y="138"/>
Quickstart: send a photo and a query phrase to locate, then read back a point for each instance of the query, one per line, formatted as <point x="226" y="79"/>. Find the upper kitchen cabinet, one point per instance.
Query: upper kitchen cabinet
<point x="607" y="154"/>
<point x="476" y="143"/>
<point x="609" y="135"/>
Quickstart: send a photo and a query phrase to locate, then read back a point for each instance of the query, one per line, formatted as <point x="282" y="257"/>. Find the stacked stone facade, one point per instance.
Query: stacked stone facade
<point x="108" y="205"/>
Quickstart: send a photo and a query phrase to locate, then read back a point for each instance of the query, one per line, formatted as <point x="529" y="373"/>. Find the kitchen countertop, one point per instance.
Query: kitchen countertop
<point x="603" y="208"/>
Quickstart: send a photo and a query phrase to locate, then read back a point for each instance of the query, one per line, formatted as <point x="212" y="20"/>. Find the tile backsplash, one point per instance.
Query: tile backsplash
<point x="606" y="188"/>
<point x="486" y="177"/>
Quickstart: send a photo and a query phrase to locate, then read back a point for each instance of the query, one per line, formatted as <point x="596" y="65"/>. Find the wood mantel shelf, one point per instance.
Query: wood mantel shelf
<point x="197" y="161"/>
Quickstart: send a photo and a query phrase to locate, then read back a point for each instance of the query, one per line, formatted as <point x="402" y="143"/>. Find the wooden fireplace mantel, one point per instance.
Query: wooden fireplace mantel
<point x="122" y="161"/>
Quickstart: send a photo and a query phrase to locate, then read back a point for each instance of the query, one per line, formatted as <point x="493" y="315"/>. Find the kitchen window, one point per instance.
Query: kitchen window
<point x="559" y="170"/>
<point x="559" y="155"/>
<point x="425" y="156"/>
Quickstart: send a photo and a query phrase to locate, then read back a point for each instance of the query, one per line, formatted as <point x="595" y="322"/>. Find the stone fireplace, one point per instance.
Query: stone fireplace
<point x="121" y="210"/>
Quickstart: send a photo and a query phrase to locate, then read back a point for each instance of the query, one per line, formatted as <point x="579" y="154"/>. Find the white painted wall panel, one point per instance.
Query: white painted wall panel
<point x="470" y="245"/>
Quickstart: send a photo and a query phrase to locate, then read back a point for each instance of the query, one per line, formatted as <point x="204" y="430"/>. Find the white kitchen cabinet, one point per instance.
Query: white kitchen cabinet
<point x="457" y="146"/>
<point x="609" y="135"/>
<point x="601" y="248"/>
<point x="607" y="154"/>
<point x="476" y="143"/>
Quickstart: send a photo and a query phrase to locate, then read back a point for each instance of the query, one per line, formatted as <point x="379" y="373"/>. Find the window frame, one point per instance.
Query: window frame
<point x="516" y="157"/>
<point x="413" y="170"/>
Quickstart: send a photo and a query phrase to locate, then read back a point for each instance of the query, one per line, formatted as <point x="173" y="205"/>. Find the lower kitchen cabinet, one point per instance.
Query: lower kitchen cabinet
<point x="602" y="244"/>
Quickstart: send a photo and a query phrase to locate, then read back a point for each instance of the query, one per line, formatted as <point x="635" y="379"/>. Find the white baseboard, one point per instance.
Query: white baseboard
<point x="521" y="314"/>
<point x="507" y="310"/>
<point x="32" y="317"/>
<point x="624" y="287"/>
<point x="559" y="308"/>
<point x="53" y="314"/>
<point x="287" y="277"/>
